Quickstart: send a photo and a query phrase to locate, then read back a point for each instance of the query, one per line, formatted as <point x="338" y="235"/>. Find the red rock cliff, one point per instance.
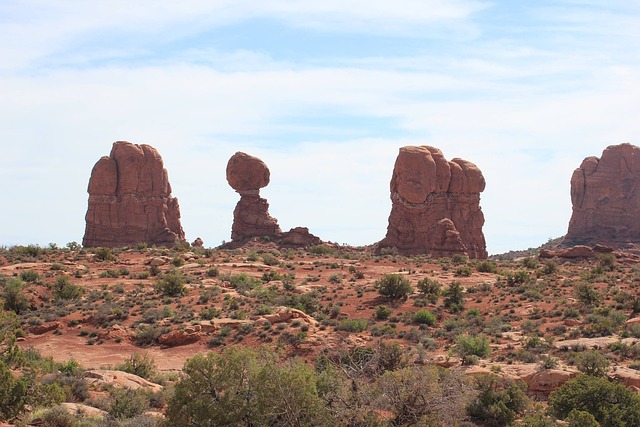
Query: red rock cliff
<point x="605" y="194"/>
<point x="130" y="200"/>
<point x="435" y="205"/>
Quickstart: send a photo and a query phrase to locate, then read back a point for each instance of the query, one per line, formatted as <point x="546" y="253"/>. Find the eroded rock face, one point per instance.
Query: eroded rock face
<point x="130" y="200"/>
<point x="247" y="175"/>
<point x="435" y="205"/>
<point x="605" y="194"/>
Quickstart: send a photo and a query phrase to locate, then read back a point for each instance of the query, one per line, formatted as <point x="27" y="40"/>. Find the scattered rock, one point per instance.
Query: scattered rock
<point x="546" y="380"/>
<point x="285" y="314"/>
<point x="44" y="328"/>
<point x="198" y="243"/>
<point x="605" y="194"/>
<point x="120" y="379"/>
<point x="130" y="200"/>
<point x="177" y="338"/>
<point x="435" y="205"/>
<point x="84" y="410"/>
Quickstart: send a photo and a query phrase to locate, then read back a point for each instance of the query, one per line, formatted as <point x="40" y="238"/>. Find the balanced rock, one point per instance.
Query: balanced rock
<point x="130" y="200"/>
<point x="605" y="194"/>
<point x="435" y="205"/>
<point x="247" y="175"/>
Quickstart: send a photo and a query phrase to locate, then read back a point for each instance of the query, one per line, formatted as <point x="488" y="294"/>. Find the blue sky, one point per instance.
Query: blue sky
<point x="324" y="92"/>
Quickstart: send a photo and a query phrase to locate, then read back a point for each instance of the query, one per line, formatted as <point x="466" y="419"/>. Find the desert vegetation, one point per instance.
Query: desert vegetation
<point x="330" y="336"/>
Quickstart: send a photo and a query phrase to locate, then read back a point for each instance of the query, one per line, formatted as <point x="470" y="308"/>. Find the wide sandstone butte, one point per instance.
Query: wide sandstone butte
<point x="247" y="174"/>
<point x="130" y="200"/>
<point x="605" y="194"/>
<point x="435" y="206"/>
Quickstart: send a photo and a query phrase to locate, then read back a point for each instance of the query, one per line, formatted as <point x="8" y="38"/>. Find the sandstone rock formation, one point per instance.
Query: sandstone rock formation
<point x="435" y="205"/>
<point x="247" y="175"/>
<point x="251" y="219"/>
<point x="605" y="194"/>
<point x="130" y="200"/>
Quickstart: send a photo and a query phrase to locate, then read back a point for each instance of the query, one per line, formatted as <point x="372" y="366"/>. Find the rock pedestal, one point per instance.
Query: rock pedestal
<point x="435" y="205"/>
<point x="130" y="200"/>
<point x="251" y="219"/>
<point x="605" y="195"/>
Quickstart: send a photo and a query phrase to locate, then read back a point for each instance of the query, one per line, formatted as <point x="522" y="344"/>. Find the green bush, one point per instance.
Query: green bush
<point x="592" y="362"/>
<point x="393" y="286"/>
<point x="29" y="276"/>
<point x="470" y="348"/>
<point x="499" y="401"/>
<point x="487" y="266"/>
<point x="171" y="284"/>
<point x="424" y="317"/>
<point x="353" y="325"/>
<point x="13" y="393"/>
<point x="610" y="403"/>
<point x="454" y="297"/>
<point x="587" y="294"/>
<point x="65" y="290"/>
<point x="518" y="277"/>
<point x="14" y="297"/>
<point x="104" y="254"/>
<point x="382" y="312"/>
<point x="430" y="289"/>
<point x="141" y="364"/>
<point x="270" y="259"/>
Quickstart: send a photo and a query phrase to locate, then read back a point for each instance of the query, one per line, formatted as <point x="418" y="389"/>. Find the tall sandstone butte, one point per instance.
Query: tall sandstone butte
<point x="435" y="205"/>
<point x="247" y="175"/>
<point x="130" y="200"/>
<point x="605" y="194"/>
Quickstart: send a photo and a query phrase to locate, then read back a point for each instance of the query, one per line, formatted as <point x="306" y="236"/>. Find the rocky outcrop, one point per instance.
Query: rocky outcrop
<point x="435" y="205"/>
<point x="130" y="200"/>
<point x="251" y="219"/>
<point x="605" y="194"/>
<point x="247" y="175"/>
<point x="120" y="379"/>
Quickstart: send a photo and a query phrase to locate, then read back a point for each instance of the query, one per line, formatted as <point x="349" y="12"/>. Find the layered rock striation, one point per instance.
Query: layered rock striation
<point x="435" y="205"/>
<point x="605" y="195"/>
<point x="251" y="219"/>
<point x="130" y="200"/>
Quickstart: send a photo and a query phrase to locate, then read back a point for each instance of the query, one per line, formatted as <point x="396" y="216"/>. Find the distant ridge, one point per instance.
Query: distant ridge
<point x="551" y="243"/>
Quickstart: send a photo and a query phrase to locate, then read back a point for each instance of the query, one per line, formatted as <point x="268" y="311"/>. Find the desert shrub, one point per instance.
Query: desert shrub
<point x="393" y="286"/>
<point x="14" y="297"/>
<point x="587" y="294"/>
<point x="382" y="312"/>
<point x="577" y="418"/>
<point x="304" y="302"/>
<point x="270" y="259"/>
<point x="550" y="267"/>
<point x="57" y="416"/>
<point x="610" y="403"/>
<point x="65" y="290"/>
<point x="454" y="297"/>
<point x="529" y="262"/>
<point x="104" y="254"/>
<point x="242" y="282"/>
<point x="171" y="284"/>
<point x="352" y="325"/>
<point x="422" y="395"/>
<point x="13" y="393"/>
<point x="607" y="261"/>
<point x="147" y="335"/>
<point x="29" y="276"/>
<point x="592" y="362"/>
<point x="459" y="259"/>
<point x="499" y="401"/>
<point x="464" y="271"/>
<point x="240" y="387"/>
<point x="322" y="249"/>
<point x="424" y="317"/>
<point x="141" y="364"/>
<point x="430" y="289"/>
<point x="210" y="313"/>
<point x="517" y="278"/>
<point x="470" y="348"/>
<point x="487" y="266"/>
<point x="127" y="403"/>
